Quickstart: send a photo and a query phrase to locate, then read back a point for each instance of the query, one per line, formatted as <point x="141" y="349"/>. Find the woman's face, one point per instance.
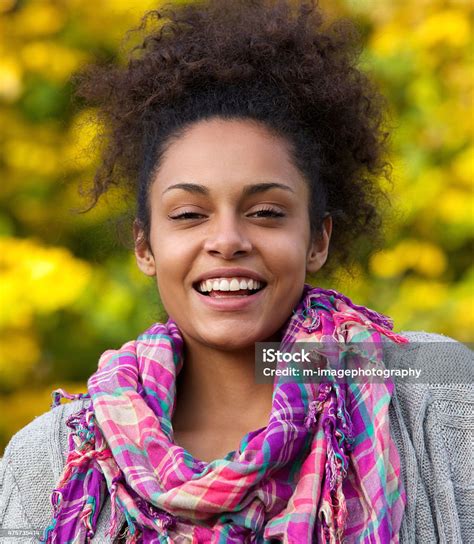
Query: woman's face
<point x="228" y="206"/>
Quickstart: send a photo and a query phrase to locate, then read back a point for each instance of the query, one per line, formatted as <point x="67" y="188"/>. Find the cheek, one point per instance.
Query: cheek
<point x="168" y="276"/>
<point x="286" y="251"/>
<point x="171" y="253"/>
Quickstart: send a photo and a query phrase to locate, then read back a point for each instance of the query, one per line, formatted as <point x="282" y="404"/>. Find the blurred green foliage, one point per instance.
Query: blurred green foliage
<point x="69" y="287"/>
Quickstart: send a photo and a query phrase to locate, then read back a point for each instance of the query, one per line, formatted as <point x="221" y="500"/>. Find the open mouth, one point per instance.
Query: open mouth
<point x="229" y="287"/>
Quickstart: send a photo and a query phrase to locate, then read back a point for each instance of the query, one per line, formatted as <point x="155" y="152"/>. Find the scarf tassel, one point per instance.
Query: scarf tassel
<point x="82" y="453"/>
<point x="113" y="501"/>
<point x="338" y="433"/>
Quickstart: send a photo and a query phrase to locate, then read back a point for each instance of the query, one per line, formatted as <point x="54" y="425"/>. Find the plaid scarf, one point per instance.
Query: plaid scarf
<point x="324" y="469"/>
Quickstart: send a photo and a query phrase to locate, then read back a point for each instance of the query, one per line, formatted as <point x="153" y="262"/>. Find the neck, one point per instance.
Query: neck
<point x="216" y="389"/>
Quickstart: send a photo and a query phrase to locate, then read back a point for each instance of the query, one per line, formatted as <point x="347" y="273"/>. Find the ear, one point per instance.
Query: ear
<point x="143" y="254"/>
<point x="318" y="250"/>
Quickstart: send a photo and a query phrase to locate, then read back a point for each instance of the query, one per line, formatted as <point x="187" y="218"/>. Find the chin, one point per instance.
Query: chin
<point x="230" y="340"/>
<point x="240" y="338"/>
<point x="226" y="344"/>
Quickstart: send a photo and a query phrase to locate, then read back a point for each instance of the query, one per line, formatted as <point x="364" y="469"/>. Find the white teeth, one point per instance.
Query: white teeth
<point x="224" y="285"/>
<point x="229" y="284"/>
<point x="234" y="285"/>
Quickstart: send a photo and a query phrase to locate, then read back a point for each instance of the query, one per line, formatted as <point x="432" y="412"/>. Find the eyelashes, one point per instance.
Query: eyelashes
<point x="268" y="212"/>
<point x="186" y="215"/>
<point x="262" y="213"/>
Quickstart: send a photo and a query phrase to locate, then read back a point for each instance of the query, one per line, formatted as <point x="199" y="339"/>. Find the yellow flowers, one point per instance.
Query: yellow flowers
<point x="424" y="258"/>
<point x="447" y="27"/>
<point x="50" y="58"/>
<point x="463" y="168"/>
<point x="388" y="39"/>
<point x="417" y="31"/>
<point x="31" y="156"/>
<point x="10" y="79"/>
<point x="35" y="279"/>
<point x="19" y="353"/>
<point x="39" y="18"/>
<point x="456" y="207"/>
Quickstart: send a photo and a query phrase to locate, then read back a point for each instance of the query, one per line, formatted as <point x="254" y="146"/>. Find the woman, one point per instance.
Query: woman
<point x="253" y="145"/>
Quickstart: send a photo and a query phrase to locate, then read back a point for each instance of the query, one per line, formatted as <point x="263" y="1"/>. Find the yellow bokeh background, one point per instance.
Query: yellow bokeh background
<point x="69" y="288"/>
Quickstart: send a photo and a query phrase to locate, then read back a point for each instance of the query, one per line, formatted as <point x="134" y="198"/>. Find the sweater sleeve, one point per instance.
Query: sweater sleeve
<point x="439" y="417"/>
<point x="450" y="416"/>
<point x="30" y="468"/>
<point x="14" y="523"/>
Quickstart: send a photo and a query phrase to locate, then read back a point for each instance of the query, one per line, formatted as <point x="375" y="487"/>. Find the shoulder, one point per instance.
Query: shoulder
<point x="436" y="410"/>
<point x="438" y="358"/>
<point x="432" y="418"/>
<point x="31" y="465"/>
<point x="43" y="438"/>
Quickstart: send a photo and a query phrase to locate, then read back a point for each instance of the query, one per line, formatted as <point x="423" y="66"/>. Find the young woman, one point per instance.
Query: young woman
<point x="253" y="145"/>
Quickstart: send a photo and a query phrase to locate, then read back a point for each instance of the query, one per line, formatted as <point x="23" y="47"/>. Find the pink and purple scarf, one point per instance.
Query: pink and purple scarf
<point x="324" y="470"/>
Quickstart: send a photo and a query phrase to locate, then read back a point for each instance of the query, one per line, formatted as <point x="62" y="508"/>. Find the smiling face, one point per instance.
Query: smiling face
<point x="229" y="209"/>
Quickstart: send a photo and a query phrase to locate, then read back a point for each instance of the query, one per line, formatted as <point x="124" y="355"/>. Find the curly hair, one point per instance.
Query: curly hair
<point x="268" y="61"/>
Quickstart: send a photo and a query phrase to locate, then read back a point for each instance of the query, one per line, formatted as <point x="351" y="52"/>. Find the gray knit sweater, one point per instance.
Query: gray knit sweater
<point x="432" y="425"/>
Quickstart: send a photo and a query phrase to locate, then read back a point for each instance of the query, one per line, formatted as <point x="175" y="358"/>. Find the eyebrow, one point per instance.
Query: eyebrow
<point x="248" y="189"/>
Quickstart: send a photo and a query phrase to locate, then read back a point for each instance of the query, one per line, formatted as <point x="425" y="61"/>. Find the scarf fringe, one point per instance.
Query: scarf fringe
<point x="113" y="501"/>
<point x="82" y="442"/>
<point x="339" y="439"/>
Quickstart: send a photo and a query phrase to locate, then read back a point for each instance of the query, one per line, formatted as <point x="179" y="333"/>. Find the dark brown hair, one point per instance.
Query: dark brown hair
<point x="270" y="61"/>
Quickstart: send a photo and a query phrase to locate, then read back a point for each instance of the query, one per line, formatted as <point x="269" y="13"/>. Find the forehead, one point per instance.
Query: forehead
<point x="232" y="153"/>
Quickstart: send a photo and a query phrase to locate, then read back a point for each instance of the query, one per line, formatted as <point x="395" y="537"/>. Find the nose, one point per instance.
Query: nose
<point x="227" y="237"/>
